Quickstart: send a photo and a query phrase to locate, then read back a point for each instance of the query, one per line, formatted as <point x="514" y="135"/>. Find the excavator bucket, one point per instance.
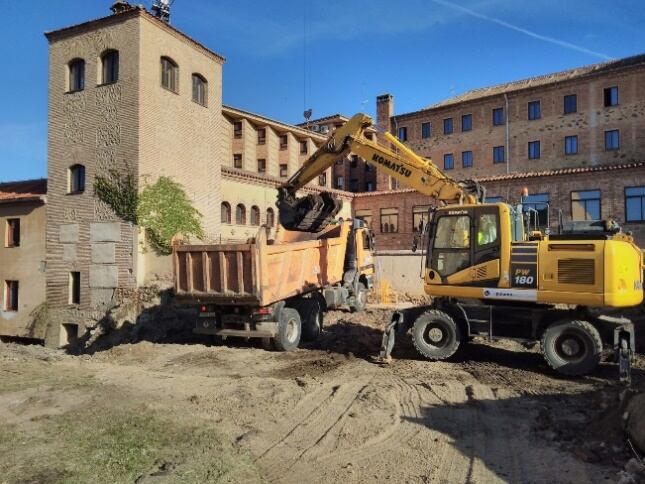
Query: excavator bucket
<point x="311" y="213"/>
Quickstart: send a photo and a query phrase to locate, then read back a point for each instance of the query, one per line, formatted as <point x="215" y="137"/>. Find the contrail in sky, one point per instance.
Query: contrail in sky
<point x="551" y="40"/>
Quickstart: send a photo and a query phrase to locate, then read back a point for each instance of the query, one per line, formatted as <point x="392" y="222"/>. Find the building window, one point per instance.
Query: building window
<point x="169" y="74"/>
<point x="467" y="159"/>
<point x="394" y="184"/>
<point x="200" y="89"/>
<point x="340" y="182"/>
<point x="76" y="75"/>
<point x="237" y="129"/>
<point x="538" y="208"/>
<point x="284" y="141"/>
<point x="12" y="237"/>
<point x="611" y="96"/>
<point x="304" y="148"/>
<point x="498" y="116"/>
<point x="110" y="67"/>
<point x="534" y="150"/>
<point x="612" y="140"/>
<point x="270" y="217"/>
<point x="365" y="216"/>
<point x="467" y="122"/>
<point x="255" y="215"/>
<point x="226" y="213"/>
<point x="426" y="130"/>
<point x="262" y="165"/>
<point x="237" y="160"/>
<point x="283" y="171"/>
<point x="369" y="186"/>
<point x="11" y="295"/>
<point x="322" y="179"/>
<point x="570" y="145"/>
<point x="635" y="204"/>
<point x="353" y="185"/>
<point x="448" y="161"/>
<point x="534" y="110"/>
<point x="389" y="220"/>
<point x="570" y="104"/>
<point x="403" y="134"/>
<point x="262" y="136"/>
<point x="447" y="126"/>
<point x="419" y="217"/>
<point x="585" y="205"/>
<point x="240" y="214"/>
<point x="498" y="154"/>
<point x="76" y="179"/>
<point x="75" y="288"/>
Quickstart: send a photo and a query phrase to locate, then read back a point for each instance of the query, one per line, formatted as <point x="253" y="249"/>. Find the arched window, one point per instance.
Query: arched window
<point x="169" y="74"/>
<point x="199" y="89"/>
<point x="110" y="67"/>
<point x="255" y="215"/>
<point x="76" y="179"/>
<point x="240" y="214"/>
<point x="226" y="213"/>
<point x="270" y="217"/>
<point x="76" y="75"/>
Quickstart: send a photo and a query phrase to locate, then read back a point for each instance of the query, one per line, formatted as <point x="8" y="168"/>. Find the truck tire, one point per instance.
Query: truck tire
<point x="572" y="347"/>
<point x="359" y="300"/>
<point x="289" y="330"/>
<point x="436" y="335"/>
<point x="267" y="344"/>
<point x="311" y="315"/>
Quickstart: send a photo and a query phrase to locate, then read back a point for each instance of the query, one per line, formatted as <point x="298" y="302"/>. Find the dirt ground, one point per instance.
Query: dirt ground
<point x="187" y="411"/>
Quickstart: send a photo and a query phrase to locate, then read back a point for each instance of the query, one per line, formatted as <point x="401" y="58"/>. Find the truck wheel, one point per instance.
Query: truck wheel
<point x="436" y="335"/>
<point x="267" y="344"/>
<point x="311" y="315"/>
<point x="572" y="348"/>
<point x="289" y="330"/>
<point x="359" y="300"/>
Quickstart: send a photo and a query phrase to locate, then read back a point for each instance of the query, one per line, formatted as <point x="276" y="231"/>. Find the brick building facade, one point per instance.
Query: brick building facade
<point x="353" y="174"/>
<point x="575" y="139"/>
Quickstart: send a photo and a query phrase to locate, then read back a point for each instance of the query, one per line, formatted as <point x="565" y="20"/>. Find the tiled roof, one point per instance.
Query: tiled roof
<point x="26" y="190"/>
<point x="233" y="112"/>
<point x="544" y="80"/>
<point x="325" y="118"/>
<point x="133" y="11"/>
<point x="531" y="174"/>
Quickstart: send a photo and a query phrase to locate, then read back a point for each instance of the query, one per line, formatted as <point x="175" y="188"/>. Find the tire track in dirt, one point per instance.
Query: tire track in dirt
<point x="317" y="418"/>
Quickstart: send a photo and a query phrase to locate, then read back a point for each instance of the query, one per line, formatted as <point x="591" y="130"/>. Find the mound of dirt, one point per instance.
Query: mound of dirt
<point x="635" y="421"/>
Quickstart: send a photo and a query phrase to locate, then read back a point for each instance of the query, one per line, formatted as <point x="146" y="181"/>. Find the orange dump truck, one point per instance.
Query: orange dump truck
<point x="276" y="290"/>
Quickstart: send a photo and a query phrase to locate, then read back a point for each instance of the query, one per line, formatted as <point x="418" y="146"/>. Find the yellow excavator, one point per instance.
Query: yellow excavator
<point x="487" y="272"/>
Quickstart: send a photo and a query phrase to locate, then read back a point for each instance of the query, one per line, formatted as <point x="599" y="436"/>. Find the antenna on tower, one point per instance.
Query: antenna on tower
<point x="161" y="9"/>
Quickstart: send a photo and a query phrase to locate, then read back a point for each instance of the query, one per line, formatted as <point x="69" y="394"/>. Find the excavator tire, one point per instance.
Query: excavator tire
<point x="572" y="347"/>
<point x="436" y="335"/>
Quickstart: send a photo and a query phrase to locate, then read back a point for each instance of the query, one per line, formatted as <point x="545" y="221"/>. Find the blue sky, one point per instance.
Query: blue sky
<point x="421" y="51"/>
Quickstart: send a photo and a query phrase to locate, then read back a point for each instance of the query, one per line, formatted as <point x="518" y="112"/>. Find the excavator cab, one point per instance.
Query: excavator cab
<point x="469" y="244"/>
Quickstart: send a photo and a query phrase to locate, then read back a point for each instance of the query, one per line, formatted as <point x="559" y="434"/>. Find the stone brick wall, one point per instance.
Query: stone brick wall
<point x="610" y="182"/>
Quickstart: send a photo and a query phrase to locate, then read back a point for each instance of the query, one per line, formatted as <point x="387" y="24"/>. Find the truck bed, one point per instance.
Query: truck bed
<point x="260" y="272"/>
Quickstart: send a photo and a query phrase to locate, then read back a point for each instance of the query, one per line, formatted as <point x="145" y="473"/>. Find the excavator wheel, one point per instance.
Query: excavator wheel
<point x="572" y="347"/>
<point x="436" y="335"/>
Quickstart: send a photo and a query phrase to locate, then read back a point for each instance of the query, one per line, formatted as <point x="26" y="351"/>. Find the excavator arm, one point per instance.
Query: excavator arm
<point x="314" y="212"/>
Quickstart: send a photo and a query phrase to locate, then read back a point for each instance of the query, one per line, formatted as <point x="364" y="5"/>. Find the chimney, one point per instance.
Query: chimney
<point x="384" y="114"/>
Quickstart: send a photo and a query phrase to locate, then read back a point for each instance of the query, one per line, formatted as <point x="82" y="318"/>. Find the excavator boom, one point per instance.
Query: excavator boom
<point x="314" y="212"/>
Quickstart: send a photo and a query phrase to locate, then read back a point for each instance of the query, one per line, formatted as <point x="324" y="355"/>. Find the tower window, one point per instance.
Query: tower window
<point x="76" y="75"/>
<point x="199" y="89"/>
<point x="169" y="74"/>
<point x="110" y="67"/>
<point x="76" y="183"/>
<point x="74" y="287"/>
<point x="11" y="296"/>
